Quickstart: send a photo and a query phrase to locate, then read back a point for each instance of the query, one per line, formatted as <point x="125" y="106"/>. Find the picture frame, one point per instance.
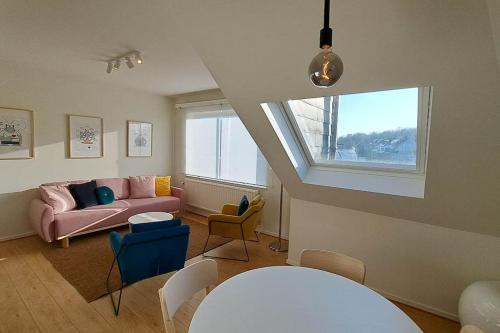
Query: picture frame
<point x="139" y="139"/>
<point x="17" y="134"/>
<point x="85" y="136"/>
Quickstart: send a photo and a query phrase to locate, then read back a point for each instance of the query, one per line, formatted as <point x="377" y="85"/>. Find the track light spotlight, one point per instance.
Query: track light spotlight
<point x="138" y="58"/>
<point x="130" y="58"/>
<point x="129" y="62"/>
<point x="110" y="67"/>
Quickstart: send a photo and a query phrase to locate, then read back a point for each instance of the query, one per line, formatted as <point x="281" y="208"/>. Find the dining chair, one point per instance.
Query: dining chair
<point x="183" y="285"/>
<point x="471" y="329"/>
<point x="333" y="262"/>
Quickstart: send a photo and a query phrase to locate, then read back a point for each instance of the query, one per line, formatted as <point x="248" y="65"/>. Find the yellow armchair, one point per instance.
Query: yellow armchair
<point x="229" y="225"/>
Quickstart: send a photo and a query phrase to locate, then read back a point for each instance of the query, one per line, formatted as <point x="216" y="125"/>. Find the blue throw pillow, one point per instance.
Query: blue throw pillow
<point x="104" y="195"/>
<point x="84" y="194"/>
<point x="243" y="205"/>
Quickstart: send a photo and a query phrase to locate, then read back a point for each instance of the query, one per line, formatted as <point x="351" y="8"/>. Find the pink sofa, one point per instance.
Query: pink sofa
<point x="71" y="223"/>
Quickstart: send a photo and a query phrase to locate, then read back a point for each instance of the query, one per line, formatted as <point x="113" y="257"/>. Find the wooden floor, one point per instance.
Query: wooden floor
<point x="35" y="298"/>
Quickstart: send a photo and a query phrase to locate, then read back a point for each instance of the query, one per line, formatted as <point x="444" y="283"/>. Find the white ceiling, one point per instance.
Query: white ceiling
<point x="75" y="37"/>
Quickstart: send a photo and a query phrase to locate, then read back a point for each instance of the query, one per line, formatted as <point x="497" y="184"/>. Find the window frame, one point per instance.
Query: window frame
<point x="217" y="179"/>
<point x="423" y="122"/>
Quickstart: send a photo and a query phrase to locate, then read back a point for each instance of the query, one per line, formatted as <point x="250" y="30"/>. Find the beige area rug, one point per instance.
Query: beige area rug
<point x="85" y="264"/>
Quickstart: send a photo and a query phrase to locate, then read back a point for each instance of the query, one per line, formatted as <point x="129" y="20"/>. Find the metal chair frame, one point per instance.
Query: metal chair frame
<point x="242" y="238"/>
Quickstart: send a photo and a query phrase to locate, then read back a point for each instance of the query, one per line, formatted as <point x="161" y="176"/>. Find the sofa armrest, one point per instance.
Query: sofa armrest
<point x="179" y="193"/>
<point x="41" y="217"/>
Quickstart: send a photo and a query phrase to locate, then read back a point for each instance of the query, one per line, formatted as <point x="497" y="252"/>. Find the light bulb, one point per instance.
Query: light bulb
<point x="117" y="65"/>
<point x="138" y="58"/>
<point x="326" y="68"/>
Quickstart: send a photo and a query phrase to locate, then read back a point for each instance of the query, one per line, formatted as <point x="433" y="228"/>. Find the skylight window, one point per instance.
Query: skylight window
<point x="381" y="130"/>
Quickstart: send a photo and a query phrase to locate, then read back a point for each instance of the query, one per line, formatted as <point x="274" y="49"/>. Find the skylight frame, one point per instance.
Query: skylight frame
<point x="423" y="123"/>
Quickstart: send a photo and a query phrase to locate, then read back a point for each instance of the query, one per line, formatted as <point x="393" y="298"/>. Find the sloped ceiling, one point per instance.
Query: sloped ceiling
<point x="259" y="51"/>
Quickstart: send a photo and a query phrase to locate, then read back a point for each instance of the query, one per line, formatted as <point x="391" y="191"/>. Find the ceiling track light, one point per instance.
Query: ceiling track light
<point x="110" y="67"/>
<point x="129" y="62"/>
<point x="138" y="58"/>
<point x="115" y="63"/>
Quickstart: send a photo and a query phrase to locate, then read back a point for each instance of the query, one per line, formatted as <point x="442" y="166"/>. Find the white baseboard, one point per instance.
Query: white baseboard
<point x="200" y="210"/>
<point x="403" y="300"/>
<point x="11" y="237"/>
<point x="417" y="305"/>
<point x="271" y="233"/>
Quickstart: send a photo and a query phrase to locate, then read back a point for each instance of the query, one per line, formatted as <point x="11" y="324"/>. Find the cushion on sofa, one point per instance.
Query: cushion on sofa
<point x="58" y="197"/>
<point x="142" y="187"/>
<point x="84" y="194"/>
<point x="162" y="186"/>
<point x="104" y="195"/>
<point x="120" y="186"/>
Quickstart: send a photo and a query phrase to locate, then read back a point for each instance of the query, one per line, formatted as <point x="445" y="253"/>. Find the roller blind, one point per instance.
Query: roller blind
<point x="219" y="146"/>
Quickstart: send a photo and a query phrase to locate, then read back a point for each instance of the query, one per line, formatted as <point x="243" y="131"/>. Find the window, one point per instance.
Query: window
<point x="218" y="146"/>
<point x="383" y="129"/>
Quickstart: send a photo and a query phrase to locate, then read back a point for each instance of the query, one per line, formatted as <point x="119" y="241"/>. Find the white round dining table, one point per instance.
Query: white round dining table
<point x="286" y="299"/>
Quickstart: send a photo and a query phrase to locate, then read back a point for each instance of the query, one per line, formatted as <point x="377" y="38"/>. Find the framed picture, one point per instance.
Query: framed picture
<point x="85" y="136"/>
<point x="140" y="139"/>
<point x="16" y="134"/>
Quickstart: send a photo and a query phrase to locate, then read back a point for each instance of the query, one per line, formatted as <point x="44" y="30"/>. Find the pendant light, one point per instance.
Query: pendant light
<point x="326" y="68"/>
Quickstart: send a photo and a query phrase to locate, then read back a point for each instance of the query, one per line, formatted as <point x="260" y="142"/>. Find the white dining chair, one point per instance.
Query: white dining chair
<point x="183" y="285"/>
<point x="333" y="262"/>
<point x="471" y="329"/>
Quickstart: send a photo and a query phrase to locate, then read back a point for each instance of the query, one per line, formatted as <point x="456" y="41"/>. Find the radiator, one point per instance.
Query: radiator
<point x="211" y="196"/>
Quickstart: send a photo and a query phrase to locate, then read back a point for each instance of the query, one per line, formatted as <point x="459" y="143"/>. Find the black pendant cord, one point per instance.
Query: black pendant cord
<point x="326" y="14"/>
<point x="325" y="35"/>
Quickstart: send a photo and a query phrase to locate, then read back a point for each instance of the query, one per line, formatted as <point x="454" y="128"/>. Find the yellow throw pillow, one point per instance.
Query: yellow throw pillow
<point x="162" y="186"/>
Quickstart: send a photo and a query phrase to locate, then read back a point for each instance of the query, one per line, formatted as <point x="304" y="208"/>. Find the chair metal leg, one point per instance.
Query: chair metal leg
<point x="216" y="257"/>
<point x="116" y="307"/>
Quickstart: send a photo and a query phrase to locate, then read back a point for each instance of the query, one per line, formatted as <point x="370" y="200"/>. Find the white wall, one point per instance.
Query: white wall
<point x="422" y="265"/>
<point x="52" y="97"/>
<point x="270" y="216"/>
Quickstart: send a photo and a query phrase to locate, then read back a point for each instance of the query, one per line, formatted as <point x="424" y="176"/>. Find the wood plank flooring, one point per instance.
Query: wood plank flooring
<point x="34" y="297"/>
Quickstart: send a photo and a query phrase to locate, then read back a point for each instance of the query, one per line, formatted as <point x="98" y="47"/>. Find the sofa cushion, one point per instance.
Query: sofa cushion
<point x="104" y="195"/>
<point x="120" y="186"/>
<point x="162" y="186"/>
<point x="115" y="213"/>
<point x="142" y="187"/>
<point x="84" y="194"/>
<point x="58" y="197"/>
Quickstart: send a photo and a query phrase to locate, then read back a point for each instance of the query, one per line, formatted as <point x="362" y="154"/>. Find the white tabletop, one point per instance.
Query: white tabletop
<point x="297" y="299"/>
<point x="150" y="217"/>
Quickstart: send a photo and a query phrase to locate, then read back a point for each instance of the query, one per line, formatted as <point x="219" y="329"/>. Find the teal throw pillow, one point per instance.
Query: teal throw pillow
<point x="104" y="195"/>
<point x="243" y="205"/>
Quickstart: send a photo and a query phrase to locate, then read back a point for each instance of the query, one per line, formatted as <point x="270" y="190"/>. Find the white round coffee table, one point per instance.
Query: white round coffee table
<point x="296" y="300"/>
<point x="149" y="217"/>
